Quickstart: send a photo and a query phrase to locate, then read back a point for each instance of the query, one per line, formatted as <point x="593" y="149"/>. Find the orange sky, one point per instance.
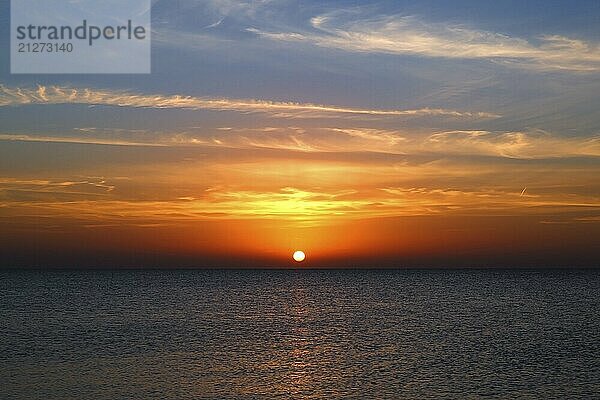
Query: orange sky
<point x="227" y="207"/>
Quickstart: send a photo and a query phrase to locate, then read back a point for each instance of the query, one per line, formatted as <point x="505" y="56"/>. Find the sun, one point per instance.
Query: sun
<point x="299" y="256"/>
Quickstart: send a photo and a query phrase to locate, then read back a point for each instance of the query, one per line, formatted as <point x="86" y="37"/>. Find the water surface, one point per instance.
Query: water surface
<point x="300" y="334"/>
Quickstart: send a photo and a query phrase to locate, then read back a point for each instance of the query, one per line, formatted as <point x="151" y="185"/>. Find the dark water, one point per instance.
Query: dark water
<point x="300" y="334"/>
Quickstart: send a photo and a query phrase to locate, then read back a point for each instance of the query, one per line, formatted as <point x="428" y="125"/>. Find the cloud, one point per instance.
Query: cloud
<point x="531" y="144"/>
<point x="301" y="205"/>
<point x="64" y="95"/>
<point x="88" y="186"/>
<point x="74" y="140"/>
<point x="408" y="35"/>
<point x="528" y="144"/>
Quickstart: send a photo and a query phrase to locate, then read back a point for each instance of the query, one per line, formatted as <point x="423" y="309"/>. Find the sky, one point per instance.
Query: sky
<point x="366" y="133"/>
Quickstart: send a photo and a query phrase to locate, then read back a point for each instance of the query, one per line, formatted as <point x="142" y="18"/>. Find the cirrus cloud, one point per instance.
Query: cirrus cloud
<point x="66" y="95"/>
<point x="408" y="35"/>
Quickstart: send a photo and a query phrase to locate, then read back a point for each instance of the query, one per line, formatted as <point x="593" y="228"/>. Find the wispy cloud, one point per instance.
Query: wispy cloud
<point x="350" y="30"/>
<point x="74" y="140"/>
<point x="293" y="204"/>
<point x="64" y="95"/>
<point x="88" y="186"/>
<point x="529" y="144"/>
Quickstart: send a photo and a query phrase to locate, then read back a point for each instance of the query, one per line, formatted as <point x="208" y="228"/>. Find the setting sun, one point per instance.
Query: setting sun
<point x="299" y="256"/>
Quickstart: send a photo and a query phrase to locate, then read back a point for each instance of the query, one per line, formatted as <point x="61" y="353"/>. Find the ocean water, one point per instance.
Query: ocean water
<point x="300" y="334"/>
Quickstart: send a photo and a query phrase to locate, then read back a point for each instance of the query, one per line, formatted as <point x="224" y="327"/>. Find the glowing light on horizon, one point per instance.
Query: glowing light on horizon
<point x="299" y="256"/>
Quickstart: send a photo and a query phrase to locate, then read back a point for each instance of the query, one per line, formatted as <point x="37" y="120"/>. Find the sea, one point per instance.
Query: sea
<point x="300" y="334"/>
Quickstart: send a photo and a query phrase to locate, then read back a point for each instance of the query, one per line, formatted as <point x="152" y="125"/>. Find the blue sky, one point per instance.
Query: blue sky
<point x="222" y="49"/>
